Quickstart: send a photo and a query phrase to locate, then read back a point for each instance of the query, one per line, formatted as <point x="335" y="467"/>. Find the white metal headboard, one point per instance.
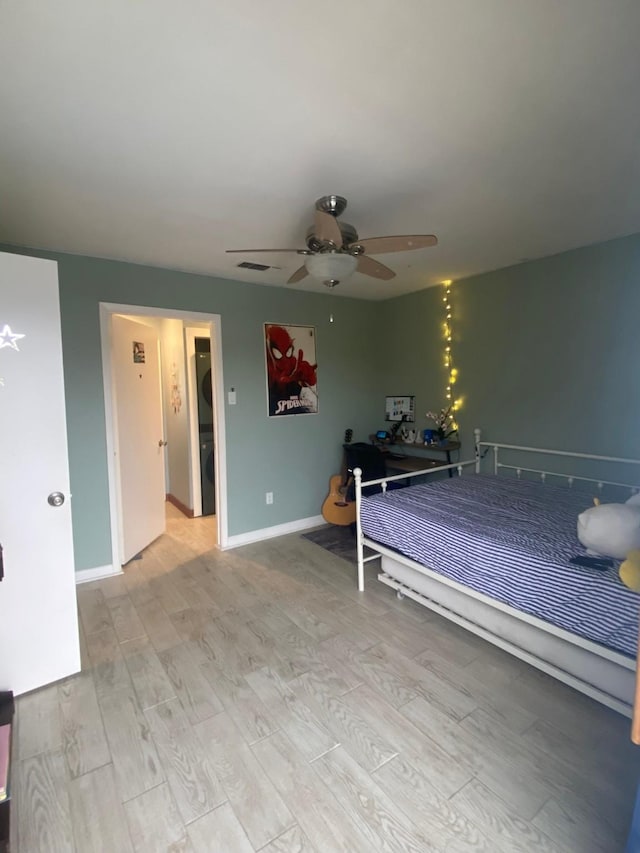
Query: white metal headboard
<point x="571" y="478"/>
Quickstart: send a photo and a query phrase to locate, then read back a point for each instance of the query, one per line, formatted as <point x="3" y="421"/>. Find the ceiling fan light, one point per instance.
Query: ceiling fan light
<point x="328" y="266"/>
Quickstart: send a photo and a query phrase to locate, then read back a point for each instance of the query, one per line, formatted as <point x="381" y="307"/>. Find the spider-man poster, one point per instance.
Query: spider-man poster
<point x="291" y="370"/>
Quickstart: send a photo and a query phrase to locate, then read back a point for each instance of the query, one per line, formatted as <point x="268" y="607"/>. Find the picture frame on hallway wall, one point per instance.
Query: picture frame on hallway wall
<point x="291" y="370"/>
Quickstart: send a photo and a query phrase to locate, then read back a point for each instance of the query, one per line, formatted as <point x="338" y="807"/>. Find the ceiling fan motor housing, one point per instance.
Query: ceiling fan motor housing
<point x="349" y="235"/>
<point x="333" y="204"/>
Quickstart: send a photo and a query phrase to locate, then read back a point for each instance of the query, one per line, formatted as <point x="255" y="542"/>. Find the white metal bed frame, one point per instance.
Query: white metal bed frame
<point x="605" y="675"/>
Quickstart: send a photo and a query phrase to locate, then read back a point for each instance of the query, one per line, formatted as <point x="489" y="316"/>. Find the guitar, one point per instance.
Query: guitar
<point x="336" y="509"/>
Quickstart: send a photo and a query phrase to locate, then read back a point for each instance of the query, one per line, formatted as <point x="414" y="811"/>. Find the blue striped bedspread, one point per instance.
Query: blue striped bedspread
<point x="511" y="540"/>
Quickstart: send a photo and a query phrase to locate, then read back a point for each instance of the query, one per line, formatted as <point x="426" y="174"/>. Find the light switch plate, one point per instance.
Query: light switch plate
<point x="231" y="397"/>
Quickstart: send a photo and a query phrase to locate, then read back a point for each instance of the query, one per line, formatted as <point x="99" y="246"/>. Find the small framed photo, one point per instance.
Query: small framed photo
<point x="400" y="408"/>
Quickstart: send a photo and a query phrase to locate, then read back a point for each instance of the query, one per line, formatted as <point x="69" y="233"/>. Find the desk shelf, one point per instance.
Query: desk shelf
<point x="408" y="463"/>
<point x="445" y="447"/>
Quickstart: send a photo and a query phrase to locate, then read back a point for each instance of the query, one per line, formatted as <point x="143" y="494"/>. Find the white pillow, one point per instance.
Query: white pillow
<point x="634" y="500"/>
<point x="610" y="530"/>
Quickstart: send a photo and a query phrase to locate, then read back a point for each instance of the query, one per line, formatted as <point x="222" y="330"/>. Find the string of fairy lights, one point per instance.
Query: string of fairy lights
<point x="452" y="372"/>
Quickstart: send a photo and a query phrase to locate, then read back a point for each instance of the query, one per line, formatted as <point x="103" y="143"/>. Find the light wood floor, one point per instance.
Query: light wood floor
<point x="254" y="701"/>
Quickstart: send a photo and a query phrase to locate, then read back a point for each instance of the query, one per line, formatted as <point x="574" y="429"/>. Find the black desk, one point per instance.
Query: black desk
<point x="410" y="463"/>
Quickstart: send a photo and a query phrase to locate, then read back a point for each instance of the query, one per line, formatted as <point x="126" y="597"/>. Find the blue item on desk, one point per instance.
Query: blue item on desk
<point x="427" y="435"/>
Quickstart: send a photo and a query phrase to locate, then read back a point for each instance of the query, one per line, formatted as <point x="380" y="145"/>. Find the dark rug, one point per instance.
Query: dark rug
<point x="341" y="541"/>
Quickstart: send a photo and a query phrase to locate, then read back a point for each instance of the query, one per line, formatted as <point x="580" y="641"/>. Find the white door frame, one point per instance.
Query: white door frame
<point x="107" y="309"/>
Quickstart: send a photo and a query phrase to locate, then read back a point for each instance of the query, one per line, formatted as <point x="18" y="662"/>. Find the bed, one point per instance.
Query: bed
<point x="491" y="552"/>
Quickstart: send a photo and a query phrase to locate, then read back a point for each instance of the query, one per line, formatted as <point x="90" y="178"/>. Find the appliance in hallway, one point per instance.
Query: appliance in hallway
<point x="205" y="425"/>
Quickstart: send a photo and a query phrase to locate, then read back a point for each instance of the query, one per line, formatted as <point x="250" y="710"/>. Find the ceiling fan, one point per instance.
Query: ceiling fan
<point x="334" y="250"/>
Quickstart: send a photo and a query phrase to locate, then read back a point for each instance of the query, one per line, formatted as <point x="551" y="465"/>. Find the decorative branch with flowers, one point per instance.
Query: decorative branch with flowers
<point x="445" y="422"/>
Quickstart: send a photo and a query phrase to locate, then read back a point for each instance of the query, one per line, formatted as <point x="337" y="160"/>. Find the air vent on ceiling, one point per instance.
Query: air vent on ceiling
<point x="247" y="265"/>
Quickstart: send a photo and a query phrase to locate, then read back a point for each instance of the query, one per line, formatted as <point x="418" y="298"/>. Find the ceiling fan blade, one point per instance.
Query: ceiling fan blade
<point x="369" y="266"/>
<point x="248" y="251"/>
<point x="298" y="275"/>
<point x="400" y="243"/>
<point x="326" y="228"/>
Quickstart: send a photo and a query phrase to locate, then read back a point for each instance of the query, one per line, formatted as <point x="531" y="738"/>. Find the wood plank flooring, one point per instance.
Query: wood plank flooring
<point x="254" y="701"/>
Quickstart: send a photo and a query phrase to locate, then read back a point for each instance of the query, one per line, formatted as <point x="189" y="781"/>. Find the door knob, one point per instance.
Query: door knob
<point x="55" y="499"/>
<point x="162" y="443"/>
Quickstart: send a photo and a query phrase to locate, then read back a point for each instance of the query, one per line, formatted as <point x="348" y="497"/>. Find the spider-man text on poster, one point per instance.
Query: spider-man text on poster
<point x="291" y="369"/>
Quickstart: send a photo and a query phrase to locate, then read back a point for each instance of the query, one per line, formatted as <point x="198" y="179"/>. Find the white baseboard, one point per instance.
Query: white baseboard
<point x="86" y="575"/>
<point x="271" y="532"/>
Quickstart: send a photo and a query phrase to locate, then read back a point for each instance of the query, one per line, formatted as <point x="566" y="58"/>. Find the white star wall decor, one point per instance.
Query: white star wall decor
<point x="9" y="338"/>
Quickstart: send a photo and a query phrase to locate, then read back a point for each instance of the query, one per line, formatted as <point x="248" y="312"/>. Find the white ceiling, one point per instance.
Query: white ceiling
<point x="164" y="132"/>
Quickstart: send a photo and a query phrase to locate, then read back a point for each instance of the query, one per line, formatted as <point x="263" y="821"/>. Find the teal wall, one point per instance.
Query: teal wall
<point x="292" y="457"/>
<point x="548" y="352"/>
<point x="413" y="346"/>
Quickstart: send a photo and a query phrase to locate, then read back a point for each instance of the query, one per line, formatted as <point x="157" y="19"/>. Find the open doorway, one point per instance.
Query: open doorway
<point x="205" y="427"/>
<point x="194" y="478"/>
<point x="200" y="369"/>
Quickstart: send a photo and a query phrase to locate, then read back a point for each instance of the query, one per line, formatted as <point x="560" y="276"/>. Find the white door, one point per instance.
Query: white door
<point x="139" y="434"/>
<point x="38" y="617"/>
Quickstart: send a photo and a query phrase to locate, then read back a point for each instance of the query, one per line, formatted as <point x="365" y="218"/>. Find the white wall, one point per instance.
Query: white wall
<point x="174" y="393"/>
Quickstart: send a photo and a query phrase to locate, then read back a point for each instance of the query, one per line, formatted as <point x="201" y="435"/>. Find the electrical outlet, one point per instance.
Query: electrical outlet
<point x="269" y="497"/>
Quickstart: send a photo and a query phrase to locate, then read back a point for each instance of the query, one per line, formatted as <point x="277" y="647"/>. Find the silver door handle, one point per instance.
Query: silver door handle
<point x="162" y="443"/>
<point x="55" y="499"/>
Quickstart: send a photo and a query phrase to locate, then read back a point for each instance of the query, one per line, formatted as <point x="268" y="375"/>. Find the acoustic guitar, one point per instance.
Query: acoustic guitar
<point x="336" y="509"/>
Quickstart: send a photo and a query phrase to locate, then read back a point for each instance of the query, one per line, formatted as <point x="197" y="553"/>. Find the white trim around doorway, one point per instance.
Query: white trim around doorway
<point x="107" y="309"/>
<point x="96" y="574"/>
